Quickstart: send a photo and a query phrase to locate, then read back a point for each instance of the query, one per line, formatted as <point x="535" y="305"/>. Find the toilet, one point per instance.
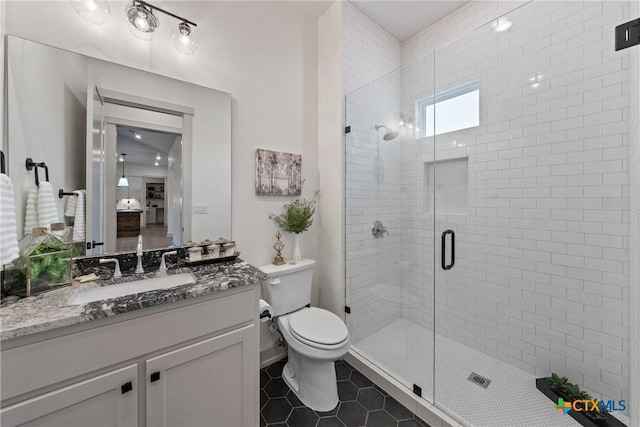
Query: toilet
<point x="316" y="338"/>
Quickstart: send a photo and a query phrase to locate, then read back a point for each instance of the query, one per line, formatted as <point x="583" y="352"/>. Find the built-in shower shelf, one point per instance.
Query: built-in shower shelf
<point x="446" y="186"/>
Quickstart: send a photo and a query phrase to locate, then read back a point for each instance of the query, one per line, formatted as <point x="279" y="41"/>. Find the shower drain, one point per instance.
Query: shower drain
<point x="479" y="379"/>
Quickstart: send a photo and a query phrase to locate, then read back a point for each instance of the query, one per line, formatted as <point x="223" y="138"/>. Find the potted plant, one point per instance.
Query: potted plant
<point x="558" y="383"/>
<point x="297" y="218"/>
<point x="557" y="387"/>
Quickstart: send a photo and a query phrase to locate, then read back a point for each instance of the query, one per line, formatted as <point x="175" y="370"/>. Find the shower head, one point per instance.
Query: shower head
<point x="389" y="134"/>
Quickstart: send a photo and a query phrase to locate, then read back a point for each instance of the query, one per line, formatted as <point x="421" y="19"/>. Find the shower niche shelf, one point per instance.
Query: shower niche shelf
<point x="446" y="185"/>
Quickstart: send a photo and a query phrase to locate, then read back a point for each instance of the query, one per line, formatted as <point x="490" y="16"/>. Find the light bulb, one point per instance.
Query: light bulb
<point x="142" y="20"/>
<point x="158" y="157"/>
<point x="185" y="38"/>
<point x="141" y="23"/>
<point x="156" y="163"/>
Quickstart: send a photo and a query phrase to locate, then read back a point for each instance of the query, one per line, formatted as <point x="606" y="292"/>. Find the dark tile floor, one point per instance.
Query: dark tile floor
<point x="361" y="403"/>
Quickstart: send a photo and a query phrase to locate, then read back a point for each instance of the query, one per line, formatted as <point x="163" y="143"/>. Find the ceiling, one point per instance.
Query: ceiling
<point x="405" y="18"/>
<point x="144" y="151"/>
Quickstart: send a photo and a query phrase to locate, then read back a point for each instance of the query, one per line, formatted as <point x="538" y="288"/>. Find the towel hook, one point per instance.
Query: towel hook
<point x="63" y="193"/>
<point x="30" y="164"/>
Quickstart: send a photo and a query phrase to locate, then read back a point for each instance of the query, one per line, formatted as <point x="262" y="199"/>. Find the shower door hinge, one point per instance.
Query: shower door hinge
<point x="417" y="390"/>
<point x="347" y="309"/>
<point x="627" y="34"/>
<point x="347" y="129"/>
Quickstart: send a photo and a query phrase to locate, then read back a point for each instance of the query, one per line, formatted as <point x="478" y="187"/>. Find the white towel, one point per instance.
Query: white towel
<point x="70" y="210"/>
<point x="31" y="215"/>
<point x="79" y="225"/>
<point x="47" y="211"/>
<point x="8" y="225"/>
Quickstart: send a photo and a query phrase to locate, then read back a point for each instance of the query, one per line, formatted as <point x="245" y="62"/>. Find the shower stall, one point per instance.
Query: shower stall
<point x="487" y="215"/>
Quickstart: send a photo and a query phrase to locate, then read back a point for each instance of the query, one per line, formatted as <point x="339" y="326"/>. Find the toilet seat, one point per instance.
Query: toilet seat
<point x="318" y="328"/>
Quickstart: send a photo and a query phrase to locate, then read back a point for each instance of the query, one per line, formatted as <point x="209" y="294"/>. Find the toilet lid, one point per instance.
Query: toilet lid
<point x="318" y="326"/>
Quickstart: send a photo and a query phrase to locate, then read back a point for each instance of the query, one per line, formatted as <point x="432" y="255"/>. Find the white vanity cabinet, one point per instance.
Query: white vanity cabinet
<point x="106" y="400"/>
<point x="189" y="363"/>
<point x="204" y="384"/>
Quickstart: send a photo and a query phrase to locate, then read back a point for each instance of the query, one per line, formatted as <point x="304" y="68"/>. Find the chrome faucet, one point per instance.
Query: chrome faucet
<point x="163" y="265"/>
<point x="139" y="269"/>
<point x="116" y="271"/>
<point x="378" y="230"/>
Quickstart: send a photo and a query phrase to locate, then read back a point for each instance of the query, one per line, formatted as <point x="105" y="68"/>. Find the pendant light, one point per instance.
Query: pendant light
<point x="124" y="182"/>
<point x="185" y="39"/>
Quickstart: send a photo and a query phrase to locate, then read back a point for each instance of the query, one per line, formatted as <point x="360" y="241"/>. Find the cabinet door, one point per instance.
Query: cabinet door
<point x="106" y="400"/>
<point x="210" y="383"/>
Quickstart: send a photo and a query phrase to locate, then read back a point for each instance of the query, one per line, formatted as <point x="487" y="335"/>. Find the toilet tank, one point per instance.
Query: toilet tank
<point x="288" y="287"/>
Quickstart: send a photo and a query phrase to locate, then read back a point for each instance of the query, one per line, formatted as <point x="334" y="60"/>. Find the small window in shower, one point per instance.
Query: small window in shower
<point x="453" y="109"/>
<point x="451" y="186"/>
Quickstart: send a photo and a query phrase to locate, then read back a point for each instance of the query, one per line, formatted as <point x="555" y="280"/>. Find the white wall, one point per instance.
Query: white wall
<point x="263" y="53"/>
<point x="330" y="267"/>
<point x="58" y="101"/>
<point x="174" y="191"/>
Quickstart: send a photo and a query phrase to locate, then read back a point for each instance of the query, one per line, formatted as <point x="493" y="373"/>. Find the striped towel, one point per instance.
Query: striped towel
<point x="8" y="225"/>
<point x="47" y="210"/>
<point x="79" y="225"/>
<point x="70" y="210"/>
<point x="31" y="215"/>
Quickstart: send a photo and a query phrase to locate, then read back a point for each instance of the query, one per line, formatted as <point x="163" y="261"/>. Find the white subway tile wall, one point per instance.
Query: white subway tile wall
<point x="634" y="225"/>
<point x="542" y="259"/>
<point x="373" y="169"/>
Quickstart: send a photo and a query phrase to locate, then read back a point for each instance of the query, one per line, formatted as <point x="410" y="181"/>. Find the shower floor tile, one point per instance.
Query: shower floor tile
<point x="361" y="403"/>
<point x="404" y="350"/>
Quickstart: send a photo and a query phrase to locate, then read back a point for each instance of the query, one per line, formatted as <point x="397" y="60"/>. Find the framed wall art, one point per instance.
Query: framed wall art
<point x="278" y="173"/>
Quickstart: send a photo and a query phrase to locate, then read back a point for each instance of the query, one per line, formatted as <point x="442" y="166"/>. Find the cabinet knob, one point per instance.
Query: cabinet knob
<point x="126" y="387"/>
<point x="155" y="377"/>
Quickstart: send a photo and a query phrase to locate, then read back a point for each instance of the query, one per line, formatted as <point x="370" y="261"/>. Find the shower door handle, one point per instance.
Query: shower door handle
<point x="444" y="264"/>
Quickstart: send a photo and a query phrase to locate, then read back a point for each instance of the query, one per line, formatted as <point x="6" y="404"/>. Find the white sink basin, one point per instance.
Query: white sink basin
<point x="83" y="296"/>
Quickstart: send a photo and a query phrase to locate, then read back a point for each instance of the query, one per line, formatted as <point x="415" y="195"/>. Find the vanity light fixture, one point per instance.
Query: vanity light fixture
<point x="141" y="15"/>
<point x="96" y="11"/>
<point x="123" y="182"/>
<point x="185" y="39"/>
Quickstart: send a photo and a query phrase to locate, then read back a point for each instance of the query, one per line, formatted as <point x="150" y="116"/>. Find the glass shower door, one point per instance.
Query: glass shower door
<point x="530" y="120"/>
<point x="389" y="286"/>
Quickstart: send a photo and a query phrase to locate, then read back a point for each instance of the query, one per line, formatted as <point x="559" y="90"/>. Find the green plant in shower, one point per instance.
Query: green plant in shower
<point x="558" y="382"/>
<point x="298" y="215"/>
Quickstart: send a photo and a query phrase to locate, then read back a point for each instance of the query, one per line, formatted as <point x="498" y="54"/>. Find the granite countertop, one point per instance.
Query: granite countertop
<point x="49" y="310"/>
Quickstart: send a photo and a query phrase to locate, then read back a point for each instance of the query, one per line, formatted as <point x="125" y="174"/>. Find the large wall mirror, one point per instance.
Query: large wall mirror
<point x="134" y="153"/>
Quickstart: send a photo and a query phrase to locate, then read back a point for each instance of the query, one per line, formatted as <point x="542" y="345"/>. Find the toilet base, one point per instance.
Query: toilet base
<point x="312" y="381"/>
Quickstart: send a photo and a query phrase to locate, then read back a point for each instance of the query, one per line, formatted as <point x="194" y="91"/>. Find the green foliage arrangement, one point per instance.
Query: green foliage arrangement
<point x="49" y="264"/>
<point x="562" y="384"/>
<point x="298" y="215"/>
<point x="558" y="382"/>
